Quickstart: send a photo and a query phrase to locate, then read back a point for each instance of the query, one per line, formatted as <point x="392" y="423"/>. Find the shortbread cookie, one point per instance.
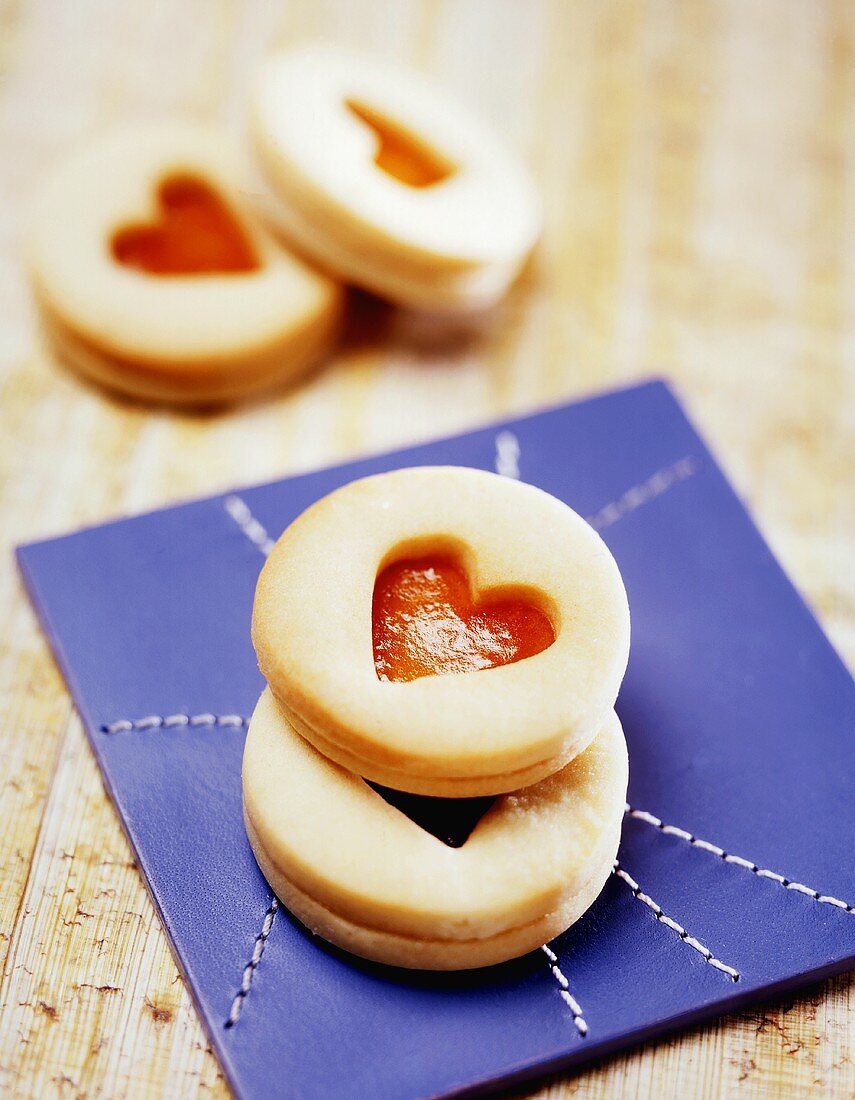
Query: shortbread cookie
<point x="155" y="279"/>
<point x="443" y="631"/>
<point x="386" y="182"/>
<point x="363" y="875"/>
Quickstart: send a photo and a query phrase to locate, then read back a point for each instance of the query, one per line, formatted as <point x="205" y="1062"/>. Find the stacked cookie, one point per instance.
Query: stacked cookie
<point x="438" y="643"/>
<point x="158" y="272"/>
<point x="155" y="277"/>
<point x="383" y="180"/>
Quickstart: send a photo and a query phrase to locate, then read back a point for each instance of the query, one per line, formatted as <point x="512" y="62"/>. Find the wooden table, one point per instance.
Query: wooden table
<point x="696" y="161"/>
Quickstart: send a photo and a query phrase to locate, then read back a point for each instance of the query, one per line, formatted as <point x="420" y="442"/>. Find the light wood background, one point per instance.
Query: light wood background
<point x="696" y="160"/>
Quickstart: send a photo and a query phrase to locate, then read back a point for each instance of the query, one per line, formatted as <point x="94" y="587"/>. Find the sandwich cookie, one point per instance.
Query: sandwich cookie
<point x="155" y="279"/>
<point x="388" y="183"/>
<point x="443" y="631"/>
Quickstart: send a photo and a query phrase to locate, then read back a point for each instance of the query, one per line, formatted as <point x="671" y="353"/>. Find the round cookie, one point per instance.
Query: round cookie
<point x="154" y="278"/>
<point x="388" y="183"/>
<point x="462" y="733"/>
<point x="363" y="875"/>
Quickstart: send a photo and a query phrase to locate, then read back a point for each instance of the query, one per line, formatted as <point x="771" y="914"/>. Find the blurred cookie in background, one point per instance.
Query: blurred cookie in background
<point x="155" y="278"/>
<point x="388" y="183"/>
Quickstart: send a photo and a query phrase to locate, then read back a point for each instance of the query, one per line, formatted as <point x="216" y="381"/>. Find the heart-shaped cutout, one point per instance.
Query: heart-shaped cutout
<point x="425" y="622"/>
<point x="401" y="154"/>
<point x="195" y="234"/>
<point x="451" y="820"/>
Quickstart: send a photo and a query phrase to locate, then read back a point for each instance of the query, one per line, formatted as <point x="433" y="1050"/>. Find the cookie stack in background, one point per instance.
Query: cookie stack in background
<point x="435" y="776"/>
<point x="162" y="273"/>
<point x="384" y="181"/>
<point x="155" y="276"/>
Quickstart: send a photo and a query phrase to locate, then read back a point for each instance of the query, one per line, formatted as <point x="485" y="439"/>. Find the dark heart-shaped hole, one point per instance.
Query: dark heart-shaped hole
<point x="195" y="234"/>
<point x="451" y="820"/>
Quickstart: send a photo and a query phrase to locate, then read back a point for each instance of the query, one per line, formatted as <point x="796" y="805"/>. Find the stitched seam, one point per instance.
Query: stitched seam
<point x="645" y="491"/>
<point x="746" y="864"/>
<point x="564" y="991"/>
<point x="175" y="721"/>
<point x="508" y="455"/>
<point x="507" y="464"/>
<point x="251" y="967"/>
<point x="669" y="922"/>
<point x="238" y="509"/>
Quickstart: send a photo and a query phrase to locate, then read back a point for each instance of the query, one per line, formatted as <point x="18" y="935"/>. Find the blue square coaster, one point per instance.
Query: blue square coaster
<point x="736" y="874"/>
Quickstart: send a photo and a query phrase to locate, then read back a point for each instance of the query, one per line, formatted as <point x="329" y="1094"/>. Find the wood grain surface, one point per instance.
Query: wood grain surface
<point x="696" y="161"/>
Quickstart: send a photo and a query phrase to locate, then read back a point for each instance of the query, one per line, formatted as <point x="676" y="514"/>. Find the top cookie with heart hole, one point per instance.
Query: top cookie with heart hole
<point x="388" y="182"/>
<point x="154" y="275"/>
<point x="443" y="631"/>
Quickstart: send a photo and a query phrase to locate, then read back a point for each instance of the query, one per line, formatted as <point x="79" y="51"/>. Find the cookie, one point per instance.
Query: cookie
<point x="363" y="875"/>
<point x="155" y="279"/>
<point x="443" y="631"/>
<point x="388" y="183"/>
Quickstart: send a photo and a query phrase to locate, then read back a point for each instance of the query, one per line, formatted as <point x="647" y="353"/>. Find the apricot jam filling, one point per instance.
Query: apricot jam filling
<point x="425" y="622"/>
<point x="400" y="154"/>
<point x="195" y="234"/>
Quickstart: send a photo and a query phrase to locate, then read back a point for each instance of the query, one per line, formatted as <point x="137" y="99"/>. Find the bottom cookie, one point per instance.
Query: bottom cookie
<point x="207" y="382"/>
<point x="363" y="875"/>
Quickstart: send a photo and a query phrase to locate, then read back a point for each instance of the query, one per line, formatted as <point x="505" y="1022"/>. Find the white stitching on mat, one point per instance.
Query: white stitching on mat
<point x="507" y="455"/>
<point x="761" y="872"/>
<point x="507" y="464"/>
<point x="564" y="991"/>
<point x="648" y="490"/>
<point x="696" y="945"/>
<point x="174" y="721"/>
<point x="251" y="967"/>
<point x="239" y="511"/>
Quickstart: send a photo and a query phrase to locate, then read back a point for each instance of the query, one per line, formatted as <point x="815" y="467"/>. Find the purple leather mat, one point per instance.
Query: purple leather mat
<point x="736" y="867"/>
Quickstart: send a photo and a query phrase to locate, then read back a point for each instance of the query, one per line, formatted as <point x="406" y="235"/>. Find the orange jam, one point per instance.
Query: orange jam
<point x="426" y="623"/>
<point x="195" y="234"/>
<point x="400" y="154"/>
